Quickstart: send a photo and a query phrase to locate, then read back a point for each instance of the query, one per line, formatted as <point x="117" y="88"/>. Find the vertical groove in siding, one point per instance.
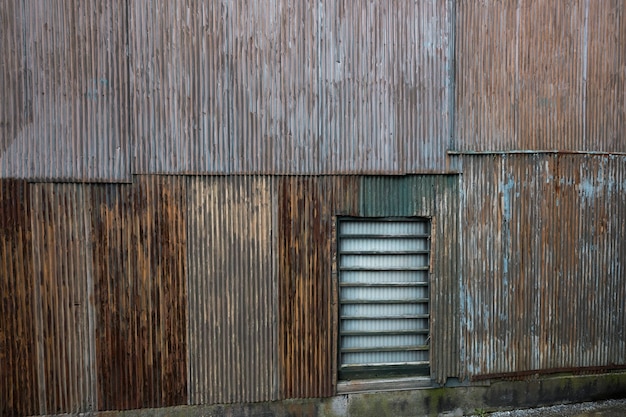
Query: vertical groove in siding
<point x="67" y="83"/>
<point x="542" y="247"/>
<point x="231" y="283"/>
<point x="18" y="355"/>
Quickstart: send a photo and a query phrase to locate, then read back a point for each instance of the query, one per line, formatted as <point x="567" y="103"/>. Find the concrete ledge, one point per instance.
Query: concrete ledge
<point x="445" y="401"/>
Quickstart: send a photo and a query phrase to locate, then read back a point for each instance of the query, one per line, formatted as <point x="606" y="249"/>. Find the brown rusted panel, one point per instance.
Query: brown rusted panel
<point x="63" y="308"/>
<point x="18" y="355"/>
<point x="307" y="347"/>
<point x="65" y="81"/>
<point x="159" y="258"/>
<point x="232" y="330"/>
<point x="606" y="75"/>
<point x="384" y="69"/>
<point x="542" y="284"/>
<point x="116" y="298"/>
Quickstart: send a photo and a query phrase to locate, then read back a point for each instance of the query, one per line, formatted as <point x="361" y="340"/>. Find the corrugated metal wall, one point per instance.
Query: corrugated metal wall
<point x="543" y="284"/>
<point x="540" y="75"/>
<point x="193" y="289"/>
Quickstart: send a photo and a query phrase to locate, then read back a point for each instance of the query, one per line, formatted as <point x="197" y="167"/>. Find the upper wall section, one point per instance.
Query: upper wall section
<point x="98" y="90"/>
<point x="64" y="90"/>
<point x="540" y="75"/>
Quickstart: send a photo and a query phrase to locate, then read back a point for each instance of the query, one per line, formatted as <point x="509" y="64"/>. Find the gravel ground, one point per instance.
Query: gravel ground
<point x="610" y="408"/>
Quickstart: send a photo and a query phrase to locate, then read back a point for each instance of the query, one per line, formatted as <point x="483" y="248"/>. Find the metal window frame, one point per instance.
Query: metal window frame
<point x="389" y="370"/>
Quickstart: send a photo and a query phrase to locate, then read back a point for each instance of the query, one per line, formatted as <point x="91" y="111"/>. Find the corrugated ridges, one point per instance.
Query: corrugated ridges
<point x="540" y="76"/>
<point x="19" y="387"/>
<point x="233" y="300"/>
<point x="65" y="85"/>
<point x="543" y="286"/>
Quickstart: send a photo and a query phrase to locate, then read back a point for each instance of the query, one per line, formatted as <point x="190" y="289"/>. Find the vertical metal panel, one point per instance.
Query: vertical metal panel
<point x="116" y="298"/>
<point x="385" y="85"/>
<point x="232" y="349"/>
<point x="273" y="47"/>
<point x="539" y="75"/>
<point x="139" y="251"/>
<point x="435" y="197"/>
<point x="64" y="311"/>
<point x="542" y="282"/>
<point x="606" y="75"/>
<point x="18" y="355"/>
<point x="306" y="339"/>
<point x="159" y="272"/>
<point x="66" y="80"/>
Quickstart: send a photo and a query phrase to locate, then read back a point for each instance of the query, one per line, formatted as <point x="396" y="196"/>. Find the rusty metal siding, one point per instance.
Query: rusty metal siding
<point x="66" y="77"/>
<point x="308" y="354"/>
<point x="385" y="86"/>
<point x="539" y="75"/>
<point x="160" y="272"/>
<point x="232" y="296"/>
<point x="543" y="287"/>
<point x="18" y="374"/>
<point x="63" y="311"/>
<point x="139" y="251"/>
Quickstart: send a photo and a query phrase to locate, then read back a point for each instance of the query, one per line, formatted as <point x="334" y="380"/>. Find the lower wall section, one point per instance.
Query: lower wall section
<point x="447" y="401"/>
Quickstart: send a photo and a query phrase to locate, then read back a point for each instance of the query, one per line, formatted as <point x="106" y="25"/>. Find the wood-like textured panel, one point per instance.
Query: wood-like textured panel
<point x="232" y="291"/>
<point x="63" y="305"/>
<point x="159" y="275"/>
<point x="18" y="355"/>
<point x="307" y="345"/>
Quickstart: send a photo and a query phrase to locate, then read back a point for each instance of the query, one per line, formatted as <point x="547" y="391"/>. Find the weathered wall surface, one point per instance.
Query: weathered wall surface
<point x="542" y="276"/>
<point x="178" y="290"/>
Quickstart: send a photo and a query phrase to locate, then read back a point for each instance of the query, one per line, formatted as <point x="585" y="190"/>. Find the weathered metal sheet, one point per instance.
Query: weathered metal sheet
<point x="307" y="323"/>
<point x="65" y="91"/>
<point x="139" y="246"/>
<point x="63" y="308"/>
<point x="19" y="388"/>
<point x="385" y="85"/>
<point x="543" y="287"/>
<point x="232" y="297"/>
<point x="540" y="75"/>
